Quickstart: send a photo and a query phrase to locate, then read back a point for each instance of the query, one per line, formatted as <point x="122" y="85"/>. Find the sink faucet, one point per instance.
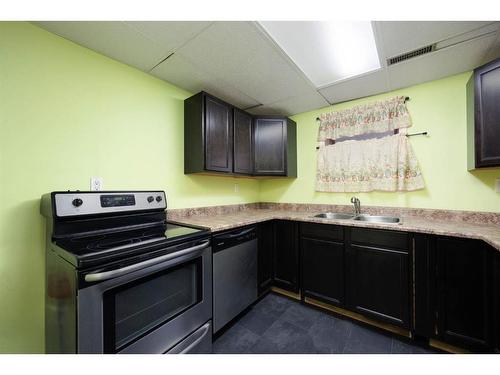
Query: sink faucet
<point x="357" y="205"/>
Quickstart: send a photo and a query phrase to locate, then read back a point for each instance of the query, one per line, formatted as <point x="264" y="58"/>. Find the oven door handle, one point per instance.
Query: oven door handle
<point x="101" y="276"/>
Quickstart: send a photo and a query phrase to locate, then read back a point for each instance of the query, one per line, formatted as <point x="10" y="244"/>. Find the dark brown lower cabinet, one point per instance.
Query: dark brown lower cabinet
<point x="265" y="232"/>
<point x="424" y="286"/>
<point x="286" y="256"/>
<point x="496" y="311"/>
<point x="463" y="293"/>
<point x="378" y="284"/>
<point x="442" y="288"/>
<point x="323" y="270"/>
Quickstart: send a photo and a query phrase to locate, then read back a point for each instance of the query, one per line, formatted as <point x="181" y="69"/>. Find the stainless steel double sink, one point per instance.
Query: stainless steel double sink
<point x="361" y="217"/>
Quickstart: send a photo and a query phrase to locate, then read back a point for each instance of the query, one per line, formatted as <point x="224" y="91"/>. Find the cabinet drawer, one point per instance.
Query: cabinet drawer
<point x="380" y="237"/>
<point x="323" y="231"/>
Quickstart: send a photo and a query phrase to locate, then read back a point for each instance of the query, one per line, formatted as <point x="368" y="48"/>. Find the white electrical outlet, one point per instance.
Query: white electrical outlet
<point x="497" y="185"/>
<point x="96" y="183"/>
<point x="236" y="188"/>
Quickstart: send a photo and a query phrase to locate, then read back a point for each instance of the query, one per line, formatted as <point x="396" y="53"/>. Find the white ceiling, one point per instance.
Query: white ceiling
<point x="240" y="63"/>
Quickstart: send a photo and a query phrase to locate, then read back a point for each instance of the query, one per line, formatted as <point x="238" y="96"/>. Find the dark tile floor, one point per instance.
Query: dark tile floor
<point x="277" y="324"/>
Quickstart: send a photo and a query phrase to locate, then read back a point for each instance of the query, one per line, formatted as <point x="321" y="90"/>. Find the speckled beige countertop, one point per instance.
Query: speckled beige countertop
<point x="217" y="221"/>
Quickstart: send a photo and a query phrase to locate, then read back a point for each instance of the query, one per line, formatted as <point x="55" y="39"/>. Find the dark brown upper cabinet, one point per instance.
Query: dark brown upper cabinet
<point x="483" y="117"/>
<point x="220" y="138"/>
<point x="208" y="134"/>
<point x="275" y="145"/>
<point x="243" y="142"/>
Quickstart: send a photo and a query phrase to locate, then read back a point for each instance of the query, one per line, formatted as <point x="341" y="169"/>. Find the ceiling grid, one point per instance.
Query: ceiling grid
<point x="241" y="63"/>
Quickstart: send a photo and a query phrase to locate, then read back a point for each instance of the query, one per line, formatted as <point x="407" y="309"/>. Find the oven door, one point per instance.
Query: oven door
<point x="147" y="307"/>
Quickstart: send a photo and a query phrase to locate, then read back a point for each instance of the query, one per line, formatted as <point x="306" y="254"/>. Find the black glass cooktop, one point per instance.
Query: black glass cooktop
<point x="104" y="244"/>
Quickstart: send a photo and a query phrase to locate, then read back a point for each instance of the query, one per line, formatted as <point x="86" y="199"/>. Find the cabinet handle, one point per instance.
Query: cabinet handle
<point x="414" y="285"/>
<point x="436" y="329"/>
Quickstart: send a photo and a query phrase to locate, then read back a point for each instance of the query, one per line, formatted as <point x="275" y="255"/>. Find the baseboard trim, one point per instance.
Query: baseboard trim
<point x="286" y="293"/>
<point x="359" y="317"/>
<point x="447" y="347"/>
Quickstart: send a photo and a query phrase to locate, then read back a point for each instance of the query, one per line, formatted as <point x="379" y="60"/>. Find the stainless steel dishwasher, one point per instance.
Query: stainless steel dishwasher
<point x="234" y="273"/>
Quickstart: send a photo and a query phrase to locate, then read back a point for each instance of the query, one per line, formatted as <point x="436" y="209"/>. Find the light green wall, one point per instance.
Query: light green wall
<point x="437" y="107"/>
<point x="66" y="114"/>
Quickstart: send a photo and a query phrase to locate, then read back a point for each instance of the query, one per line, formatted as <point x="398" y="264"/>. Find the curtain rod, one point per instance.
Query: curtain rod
<point x="407" y="99"/>
<point x="408" y="135"/>
<point x="411" y="135"/>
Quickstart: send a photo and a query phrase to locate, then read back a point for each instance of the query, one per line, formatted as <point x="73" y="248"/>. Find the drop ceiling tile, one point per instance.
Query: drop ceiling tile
<point x="169" y="34"/>
<point x="442" y="63"/>
<point x="191" y="77"/>
<point x="113" y="39"/>
<point x="298" y="104"/>
<point x="241" y="54"/>
<point x="403" y="36"/>
<point x="265" y="111"/>
<point x="368" y="84"/>
<point x="494" y="52"/>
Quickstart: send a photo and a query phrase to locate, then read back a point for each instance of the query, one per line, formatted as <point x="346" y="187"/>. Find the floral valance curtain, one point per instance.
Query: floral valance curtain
<point x="384" y="162"/>
<point x="378" y="117"/>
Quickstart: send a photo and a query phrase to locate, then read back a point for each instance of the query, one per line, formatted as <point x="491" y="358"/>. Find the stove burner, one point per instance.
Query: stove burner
<point x="109" y="244"/>
<point x="86" y="239"/>
<point x="153" y="233"/>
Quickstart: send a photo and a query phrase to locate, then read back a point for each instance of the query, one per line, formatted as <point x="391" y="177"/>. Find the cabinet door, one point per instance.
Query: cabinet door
<point x="286" y="258"/>
<point x="265" y="255"/>
<point x="323" y="270"/>
<point x="487" y="114"/>
<point x="463" y="292"/>
<point x="496" y="311"/>
<point x="243" y="155"/>
<point x="424" y="269"/>
<point x="218" y="136"/>
<point x="378" y="283"/>
<point x="269" y="147"/>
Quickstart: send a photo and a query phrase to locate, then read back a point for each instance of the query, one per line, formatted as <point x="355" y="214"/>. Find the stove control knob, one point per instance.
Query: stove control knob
<point x="158" y="199"/>
<point x="151" y="198"/>
<point x="77" y="202"/>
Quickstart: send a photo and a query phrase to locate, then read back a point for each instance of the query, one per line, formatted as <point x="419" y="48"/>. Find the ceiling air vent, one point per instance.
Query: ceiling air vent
<point x="411" y="54"/>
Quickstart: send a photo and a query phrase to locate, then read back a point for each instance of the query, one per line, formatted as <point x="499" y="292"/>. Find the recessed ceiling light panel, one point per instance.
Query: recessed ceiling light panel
<point x="327" y="51"/>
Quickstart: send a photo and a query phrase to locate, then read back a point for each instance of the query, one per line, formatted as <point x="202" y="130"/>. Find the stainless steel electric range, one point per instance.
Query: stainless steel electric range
<point x="120" y="278"/>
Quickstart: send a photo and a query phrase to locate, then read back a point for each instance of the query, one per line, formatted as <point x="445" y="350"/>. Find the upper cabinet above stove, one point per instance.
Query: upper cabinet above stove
<point x="220" y="138"/>
<point x="483" y="116"/>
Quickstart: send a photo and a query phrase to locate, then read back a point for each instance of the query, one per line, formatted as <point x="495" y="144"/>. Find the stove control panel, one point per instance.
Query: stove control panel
<point x="118" y="200"/>
<point x="89" y="203"/>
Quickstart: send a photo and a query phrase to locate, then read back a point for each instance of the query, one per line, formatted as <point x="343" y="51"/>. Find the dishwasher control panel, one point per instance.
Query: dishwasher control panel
<point x="233" y="237"/>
